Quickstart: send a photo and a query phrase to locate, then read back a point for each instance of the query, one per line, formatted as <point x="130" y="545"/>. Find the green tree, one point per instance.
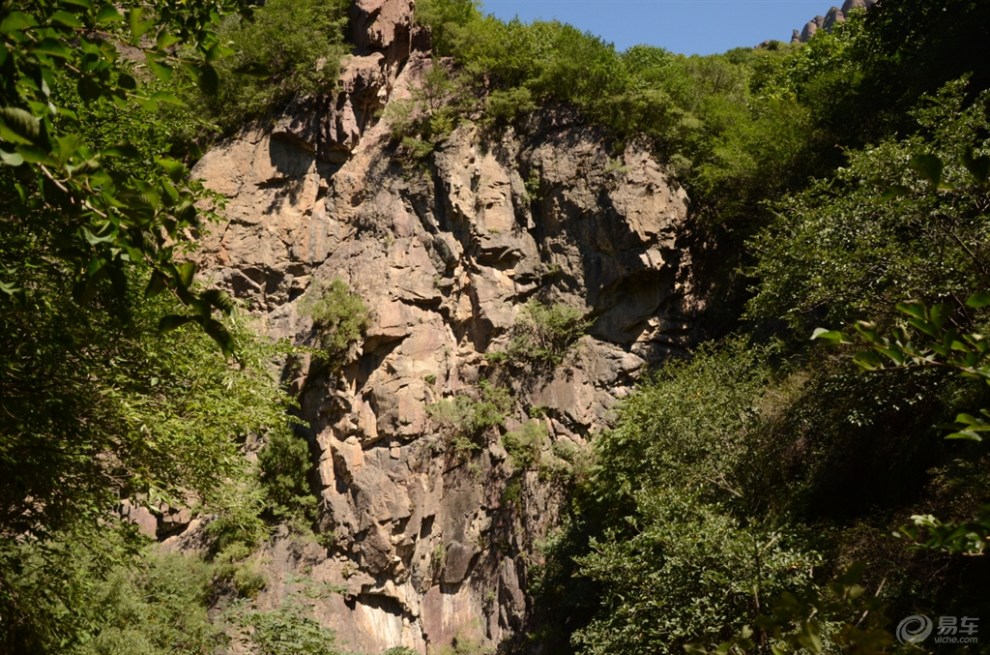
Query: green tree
<point x="340" y="318"/>
<point x="447" y="19"/>
<point x="158" y="607"/>
<point x="677" y="556"/>
<point x="283" y="51"/>
<point x="878" y="231"/>
<point x="108" y="389"/>
<point x="71" y="198"/>
<point x="97" y="409"/>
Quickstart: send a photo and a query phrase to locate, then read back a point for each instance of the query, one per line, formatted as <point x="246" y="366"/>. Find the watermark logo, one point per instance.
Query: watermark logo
<point x="951" y="629"/>
<point x="914" y="629"/>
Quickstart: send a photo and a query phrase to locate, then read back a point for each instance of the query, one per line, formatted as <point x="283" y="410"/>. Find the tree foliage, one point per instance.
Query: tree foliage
<point x="882" y="229"/>
<point x="283" y="51"/>
<point x="112" y="383"/>
<point x="677" y="556"/>
<point x="340" y="318"/>
<point x="80" y="209"/>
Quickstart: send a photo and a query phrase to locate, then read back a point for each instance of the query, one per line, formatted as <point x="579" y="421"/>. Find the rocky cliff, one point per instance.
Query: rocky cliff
<point x="432" y="541"/>
<point x="834" y="16"/>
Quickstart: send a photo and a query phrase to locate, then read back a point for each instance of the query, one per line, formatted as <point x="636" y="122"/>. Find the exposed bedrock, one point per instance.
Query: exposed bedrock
<point x="427" y="543"/>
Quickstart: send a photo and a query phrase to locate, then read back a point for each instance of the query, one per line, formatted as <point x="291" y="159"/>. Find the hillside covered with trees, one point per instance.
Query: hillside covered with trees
<point x="811" y="474"/>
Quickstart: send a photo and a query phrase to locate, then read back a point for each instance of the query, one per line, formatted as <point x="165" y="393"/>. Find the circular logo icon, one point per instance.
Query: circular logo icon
<point x="914" y="629"/>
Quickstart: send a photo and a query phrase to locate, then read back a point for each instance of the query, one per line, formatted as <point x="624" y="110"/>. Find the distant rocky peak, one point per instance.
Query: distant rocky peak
<point x="830" y="19"/>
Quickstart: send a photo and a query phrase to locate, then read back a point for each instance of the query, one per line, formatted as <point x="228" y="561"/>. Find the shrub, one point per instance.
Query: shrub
<point x="237" y="523"/>
<point x="446" y="19"/>
<point x="339" y="316"/>
<point x="156" y="608"/>
<point x="686" y="427"/>
<point x="287" y="630"/>
<point x="287" y="49"/>
<point x="524" y="445"/>
<point x="504" y="106"/>
<point x="853" y="246"/>
<point x="284" y="465"/>
<point x="545" y="333"/>
<point x="689" y="572"/>
<point x="467" y="418"/>
<point x="416" y="149"/>
<point x="667" y="474"/>
<point x="400" y="115"/>
<point x="248" y="580"/>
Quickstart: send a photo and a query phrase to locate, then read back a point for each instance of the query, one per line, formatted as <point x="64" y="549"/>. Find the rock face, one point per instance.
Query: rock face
<point x="829" y="20"/>
<point x="432" y="543"/>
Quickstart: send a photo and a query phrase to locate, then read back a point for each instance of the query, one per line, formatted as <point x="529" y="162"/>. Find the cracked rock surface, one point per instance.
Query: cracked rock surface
<point x="427" y="544"/>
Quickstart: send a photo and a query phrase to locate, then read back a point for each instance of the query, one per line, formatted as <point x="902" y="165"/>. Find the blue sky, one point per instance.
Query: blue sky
<point x="684" y="26"/>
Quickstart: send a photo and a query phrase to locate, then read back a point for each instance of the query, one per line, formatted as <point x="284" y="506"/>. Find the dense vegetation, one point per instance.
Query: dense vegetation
<point x="746" y="497"/>
<point x="122" y="377"/>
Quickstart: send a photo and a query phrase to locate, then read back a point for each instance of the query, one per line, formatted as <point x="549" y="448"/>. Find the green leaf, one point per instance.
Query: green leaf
<point x="185" y="272"/>
<point x="810" y="639"/>
<point x="868" y="360"/>
<point x="161" y="71"/>
<point x="923" y="326"/>
<point x="15" y="21"/>
<point x="138" y="27"/>
<point x="856" y="591"/>
<point x="978" y="300"/>
<point x="868" y="330"/>
<point x="895" y="355"/>
<point x="18" y="125"/>
<point x="88" y="88"/>
<point x="912" y="308"/>
<point x="52" y="48"/>
<point x="207" y="79"/>
<point x="68" y="20"/>
<point x="166" y="40"/>
<point x="173" y="322"/>
<point x="939" y="313"/>
<point x="156" y="284"/>
<point x="167" y="98"/>
<point x="220" y="335"/>
<point x="216" y="52"/>
<point x="171" y="193"/>
<point x="833" y="336"/>
<point x="109" y="14"/>
<point x="965" y="435"/>
<point x="122" y="150"/>
<point x="929" y="167"/>
<point x="11" y="158"/>
<point x="126" y="82"/>
<point x="33" y="155"/>
<point x="219" y="299"/>
<point x="967" y="419"/>
<point x="95" y="240"/>
<point x="202" y="307"/>
<point x="174" y="168"/>
<point x="895" y="191"/>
